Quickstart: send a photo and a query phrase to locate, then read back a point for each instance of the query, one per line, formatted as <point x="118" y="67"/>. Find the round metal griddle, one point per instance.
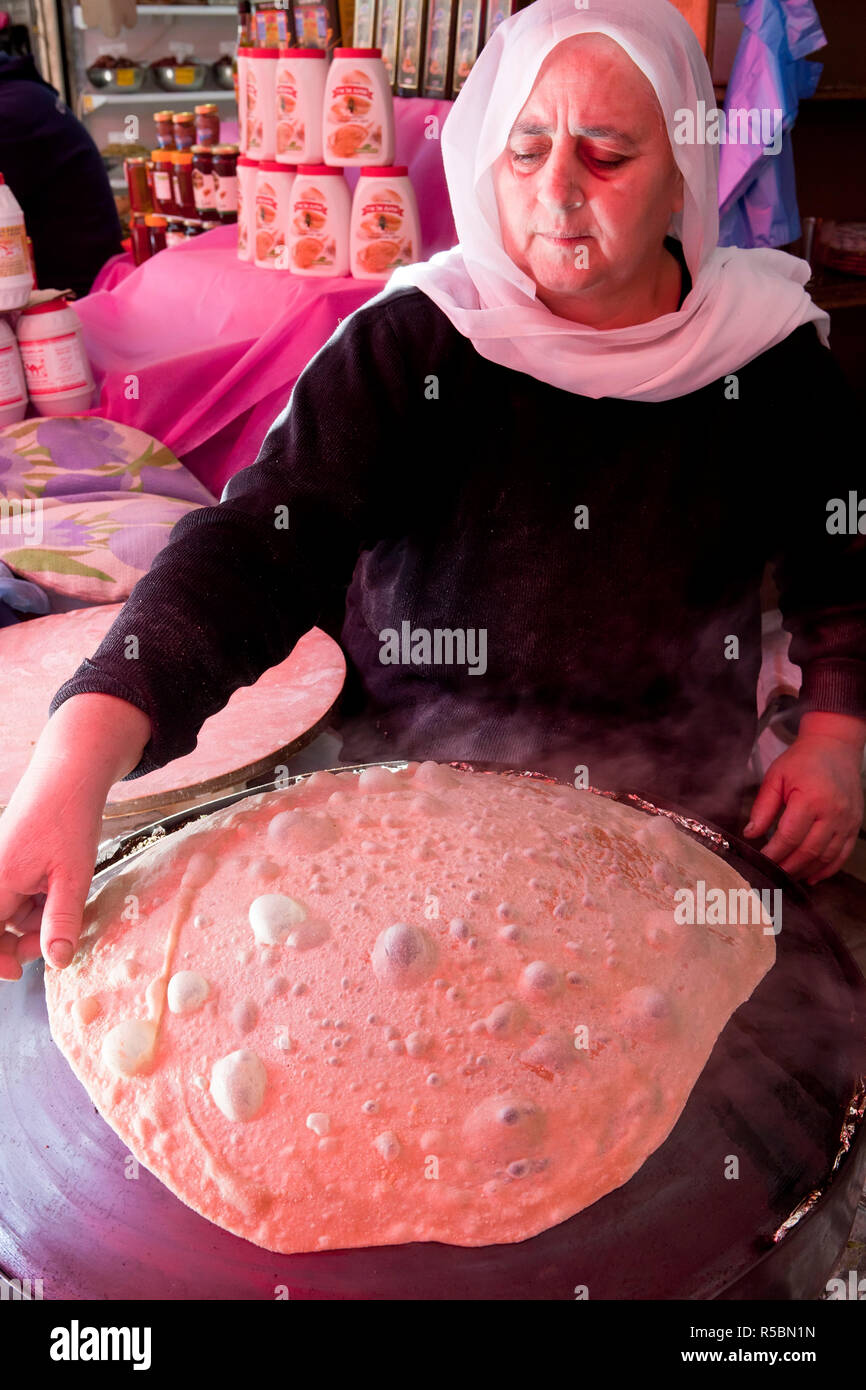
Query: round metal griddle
<point x="774" y="1094"/>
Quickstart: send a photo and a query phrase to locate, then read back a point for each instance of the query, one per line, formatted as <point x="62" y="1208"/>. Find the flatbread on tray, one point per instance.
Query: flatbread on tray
<point x="423" y="1005"/>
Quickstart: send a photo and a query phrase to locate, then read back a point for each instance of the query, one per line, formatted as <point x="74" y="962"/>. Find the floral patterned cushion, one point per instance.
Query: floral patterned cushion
<point x="85" y="505"/>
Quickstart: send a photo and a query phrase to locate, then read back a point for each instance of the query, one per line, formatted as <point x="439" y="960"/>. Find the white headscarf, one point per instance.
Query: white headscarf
<point x="741" y="303"/>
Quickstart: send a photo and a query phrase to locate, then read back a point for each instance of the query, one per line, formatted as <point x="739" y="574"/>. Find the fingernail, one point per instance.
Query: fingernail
<point x="60" y="952"/>
<point x="749" y="829"/>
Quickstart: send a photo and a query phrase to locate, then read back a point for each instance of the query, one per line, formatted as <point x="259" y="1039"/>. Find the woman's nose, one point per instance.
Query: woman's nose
<point x="560" y="179"/>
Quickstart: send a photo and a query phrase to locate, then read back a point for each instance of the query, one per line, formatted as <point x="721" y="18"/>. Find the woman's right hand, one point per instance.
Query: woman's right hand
<point x="50" y="831"/>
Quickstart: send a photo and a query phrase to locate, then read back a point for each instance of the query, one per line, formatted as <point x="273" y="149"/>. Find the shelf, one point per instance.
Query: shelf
<point x="92" y="101"/>
<point x="175" y="10"/>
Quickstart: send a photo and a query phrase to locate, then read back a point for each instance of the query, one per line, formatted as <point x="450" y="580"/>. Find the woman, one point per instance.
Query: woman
<point x="533" y="484"/>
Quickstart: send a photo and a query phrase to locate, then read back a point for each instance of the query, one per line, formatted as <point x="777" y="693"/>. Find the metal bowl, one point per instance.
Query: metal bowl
<point x="223" y="75"/>
<point x="167" y="76"/>
<point x="106" y="79"/>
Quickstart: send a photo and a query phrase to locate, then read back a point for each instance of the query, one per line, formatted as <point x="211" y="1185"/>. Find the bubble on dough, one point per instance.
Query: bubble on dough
<point x="128" y="1047"/>
<point x="403" y="956"/>
<point x="238" y="1083"/>
<point x="187" y="991"/>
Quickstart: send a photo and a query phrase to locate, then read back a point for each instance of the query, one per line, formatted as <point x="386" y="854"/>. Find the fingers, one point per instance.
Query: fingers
<point x="837" y="863"/>
<point x="794" y="825"/>
<point x="767" y="805"/>
<point x="61" y="919"/>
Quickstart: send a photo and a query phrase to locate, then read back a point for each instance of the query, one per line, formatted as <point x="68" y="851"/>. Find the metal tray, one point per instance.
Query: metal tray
<point x="777" y="1092"/>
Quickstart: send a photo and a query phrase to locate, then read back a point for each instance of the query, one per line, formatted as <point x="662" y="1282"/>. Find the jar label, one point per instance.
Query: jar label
<point x="226" y="189"/>
<point x="13" y="251"/>
<point x="53" y="364"/>
<point x="204" y="191"/>
<point x="312" y="242"/>
<point x="11" y="385"/>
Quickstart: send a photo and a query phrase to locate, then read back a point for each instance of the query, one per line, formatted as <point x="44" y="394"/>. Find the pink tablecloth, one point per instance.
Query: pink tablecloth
<point x="201" y="350"/>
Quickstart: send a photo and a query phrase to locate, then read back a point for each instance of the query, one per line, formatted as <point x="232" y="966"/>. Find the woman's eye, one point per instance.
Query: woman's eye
<point x="522" y="158"/>
<point x="607" y="163"/>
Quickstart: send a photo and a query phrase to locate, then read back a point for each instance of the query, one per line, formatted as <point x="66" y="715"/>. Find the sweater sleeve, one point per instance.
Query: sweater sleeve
<point x="821" y="564"/>
<point x="239" y="583"/>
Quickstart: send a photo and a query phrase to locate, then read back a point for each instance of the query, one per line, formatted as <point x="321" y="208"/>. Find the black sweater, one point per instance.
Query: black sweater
<point x="428" y="486"/>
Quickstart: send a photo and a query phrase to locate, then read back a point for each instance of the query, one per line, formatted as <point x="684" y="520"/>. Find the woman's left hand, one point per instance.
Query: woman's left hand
<point x="818" y="782"/>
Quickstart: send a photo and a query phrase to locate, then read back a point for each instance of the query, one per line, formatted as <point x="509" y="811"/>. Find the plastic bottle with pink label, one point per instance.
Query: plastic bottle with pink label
<point x="300" y="93"/>
<point x="319" y="227"/>
<point x="358" y="112"/>
<point x="260" y="117"/>
<point x="271" y="221"/>
<point x="385" y="231"/>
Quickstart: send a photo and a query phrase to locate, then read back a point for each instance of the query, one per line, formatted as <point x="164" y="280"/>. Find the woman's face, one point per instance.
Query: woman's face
<point x="587" y="182"/>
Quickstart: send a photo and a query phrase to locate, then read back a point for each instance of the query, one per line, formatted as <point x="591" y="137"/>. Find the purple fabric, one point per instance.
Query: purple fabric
<point x="202" y="350"/>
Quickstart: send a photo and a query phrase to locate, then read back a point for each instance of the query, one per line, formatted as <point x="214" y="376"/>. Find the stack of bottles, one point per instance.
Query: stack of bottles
<point x="301" y="123"/>
<point x="42" y="354"/>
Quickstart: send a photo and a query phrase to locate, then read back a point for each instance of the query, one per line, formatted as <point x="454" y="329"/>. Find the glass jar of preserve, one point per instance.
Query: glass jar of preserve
<point x="157" y="226"/>
<point x="225" y="168"/>
<point x="184" y="130"/>
<point x="165" y="129"/>
<point x="136" y="181"/>
<point x="163" y="192"/>
<point x="139" y="235"/>
<point x="207" y="124"/>
<point x="203" y="186"/>
<point x="184" y="196"/>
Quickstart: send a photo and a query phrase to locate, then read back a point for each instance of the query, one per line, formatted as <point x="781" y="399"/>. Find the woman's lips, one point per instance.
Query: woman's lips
<point x="558" y="239"/>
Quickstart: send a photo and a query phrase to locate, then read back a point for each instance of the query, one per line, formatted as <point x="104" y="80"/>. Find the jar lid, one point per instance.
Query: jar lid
<point x="201" y="149"/>
<point x="161" y="154"/>
<point x="48" y="306"/>
<point x="180" y="156"/>
<point x="262" y="53"/>
<point x="302" y="53"/>
<point x="163" y="116"/>
<point x="388" y="171"/>
<point x="206" y="108"/>
<point x="224" y="149"/>
<point x="271" y="166"/>
<point x="135" y="159"/>
<point x="319" y="170"/>
<point x="357" y="52"/>
<point x="183" y="116"/>
<point x="155" y="219"/>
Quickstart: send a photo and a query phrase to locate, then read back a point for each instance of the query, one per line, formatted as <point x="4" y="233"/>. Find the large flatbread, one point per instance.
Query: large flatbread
<point x="423" y="1005"/>
<point x="285" y="703"/>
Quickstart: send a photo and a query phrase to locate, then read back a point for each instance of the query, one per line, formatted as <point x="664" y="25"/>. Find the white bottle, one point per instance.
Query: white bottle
<point x="261" y="102"/>
<point x="385" y="231"/>
<point x="246" y="207"/>
<point x="59" y="379"/>
<point x="300" y="94"/>
<point x="13" y="391"/>
<point x="319" y="229"/>
<point x="358" y="115"/>
<point x="272" y="216"/>
<point x="16" y="277"/>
